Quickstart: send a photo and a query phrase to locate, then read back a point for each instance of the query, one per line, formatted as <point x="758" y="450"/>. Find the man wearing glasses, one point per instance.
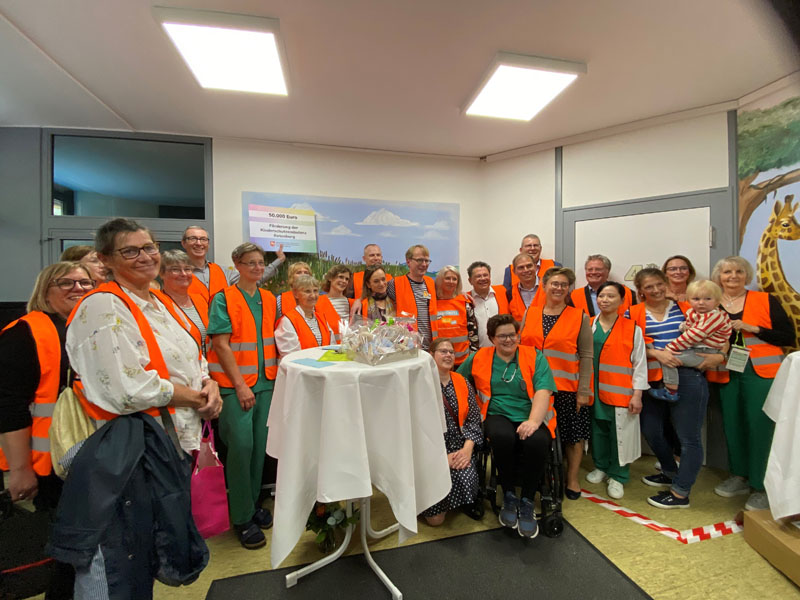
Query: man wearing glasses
<point x="414" y="294"/>
<point x="209" y="278"/>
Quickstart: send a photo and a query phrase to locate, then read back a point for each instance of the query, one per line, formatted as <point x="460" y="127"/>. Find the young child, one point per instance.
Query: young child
<point x="706" y="331"/>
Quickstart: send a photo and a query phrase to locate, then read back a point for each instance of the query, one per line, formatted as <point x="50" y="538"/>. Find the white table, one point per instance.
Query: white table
<point x="339" y="430"/>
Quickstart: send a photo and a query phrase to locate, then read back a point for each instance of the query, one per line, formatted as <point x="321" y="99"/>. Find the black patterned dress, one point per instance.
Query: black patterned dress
<point x="464" y="489"/>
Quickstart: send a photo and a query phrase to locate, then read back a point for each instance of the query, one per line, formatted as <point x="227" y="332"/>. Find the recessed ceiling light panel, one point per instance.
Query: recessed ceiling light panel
<point x="518" y="87"/>
<point x="227" y="52"/>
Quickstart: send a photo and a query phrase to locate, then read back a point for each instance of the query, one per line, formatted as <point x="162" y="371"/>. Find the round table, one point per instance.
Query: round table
<point x="340" y="428"/>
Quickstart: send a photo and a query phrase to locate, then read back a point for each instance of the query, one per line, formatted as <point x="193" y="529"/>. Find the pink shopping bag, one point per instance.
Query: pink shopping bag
<point x="209" y="497"/>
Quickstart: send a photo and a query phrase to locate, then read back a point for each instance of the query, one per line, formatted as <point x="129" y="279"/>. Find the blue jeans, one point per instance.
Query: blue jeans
<point x="687" y="416"/>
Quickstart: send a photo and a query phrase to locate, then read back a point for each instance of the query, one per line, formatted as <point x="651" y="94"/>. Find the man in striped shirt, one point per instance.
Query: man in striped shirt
<point x="418" y="285"/>
<point x="706" y="330"/>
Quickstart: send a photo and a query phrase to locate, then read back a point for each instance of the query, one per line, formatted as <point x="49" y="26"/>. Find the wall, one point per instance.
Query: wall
<point x="679" y="157"/>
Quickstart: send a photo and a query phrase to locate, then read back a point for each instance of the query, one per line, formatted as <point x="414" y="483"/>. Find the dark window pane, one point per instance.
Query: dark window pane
<point x="112" y="177"/>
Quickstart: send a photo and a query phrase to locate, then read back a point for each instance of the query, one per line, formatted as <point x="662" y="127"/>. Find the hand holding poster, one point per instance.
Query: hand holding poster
<point x="271" y="226"/>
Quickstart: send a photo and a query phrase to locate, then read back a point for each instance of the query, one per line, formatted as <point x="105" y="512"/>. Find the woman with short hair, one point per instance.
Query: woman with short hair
<point x="305" y="326"/>
<point x="456" y="313"/>
<point x="176" y="276"/>
<point x="286" y="300"/>
<point x="87" y="256"/>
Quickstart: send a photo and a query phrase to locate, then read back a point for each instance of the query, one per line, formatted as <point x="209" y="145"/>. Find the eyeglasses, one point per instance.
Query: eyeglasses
<point x="193" y="238"/>
<point x="66" y="284"/>
<point x="254" y="264"/>
<point x="673" y="269"/>
<point x="425" y="261"/>
<point x="178" y="270"/>
<point x="131" y="252"/>
<point x="445" y="351"/>
<point x="559" y="284"/>
<point x="506" y="336"/>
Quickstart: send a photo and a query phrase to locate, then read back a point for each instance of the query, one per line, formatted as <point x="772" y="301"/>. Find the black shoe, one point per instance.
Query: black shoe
<point x="263" y="518"/>
<point x="572" y="494"/>
<point x="657" y="480"/>
<point x="668" y="500"/>
<point x="250" y="536"/>
<point x="474" y="510"/>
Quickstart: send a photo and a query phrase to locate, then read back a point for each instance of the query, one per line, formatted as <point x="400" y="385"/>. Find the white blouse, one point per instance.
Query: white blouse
<point x="106" y="348"/>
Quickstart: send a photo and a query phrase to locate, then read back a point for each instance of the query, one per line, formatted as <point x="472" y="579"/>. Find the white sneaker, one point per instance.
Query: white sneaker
<point x="657" y="466"/>
<point x="732" y="486"/>
<point x="757" y="501"/>
<point x="615" y="489"/>
<point x="596" y="476"/>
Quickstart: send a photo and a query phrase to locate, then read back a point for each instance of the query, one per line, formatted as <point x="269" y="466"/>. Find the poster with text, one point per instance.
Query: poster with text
<point x="273" y="226"/>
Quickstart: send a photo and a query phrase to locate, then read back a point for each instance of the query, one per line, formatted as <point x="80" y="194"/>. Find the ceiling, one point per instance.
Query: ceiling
<point x="387" y="75"/>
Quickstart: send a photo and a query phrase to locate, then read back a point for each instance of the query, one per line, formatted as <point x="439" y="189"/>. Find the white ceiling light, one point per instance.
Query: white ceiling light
<point x="518" y="87"/>
<point x="227" y="51"/>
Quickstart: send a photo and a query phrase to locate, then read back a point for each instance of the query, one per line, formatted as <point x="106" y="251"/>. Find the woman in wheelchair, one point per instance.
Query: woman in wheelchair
<point x="462" y="436"/>
<point x="514" y="386"/>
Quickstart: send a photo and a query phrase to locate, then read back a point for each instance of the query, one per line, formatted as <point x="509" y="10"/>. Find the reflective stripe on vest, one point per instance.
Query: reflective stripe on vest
<point x="560" y="346"/>
<point x="243" y="339"/>
<point x="153" y="350"/>
<point x="304" y="333"/>
<point x="406" y="303"/>
<point x="48" y="354"/>
<point x="216" y="283"/>
<point x="615" y="368"/>
<point x="453" y="325"/>
<point x="482" y="364"/>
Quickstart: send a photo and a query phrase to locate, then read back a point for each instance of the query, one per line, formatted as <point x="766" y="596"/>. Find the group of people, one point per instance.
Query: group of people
<point x="517" y="362"/>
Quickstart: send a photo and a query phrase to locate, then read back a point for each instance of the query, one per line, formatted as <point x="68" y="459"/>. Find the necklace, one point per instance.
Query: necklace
<point x="728" y="301"/>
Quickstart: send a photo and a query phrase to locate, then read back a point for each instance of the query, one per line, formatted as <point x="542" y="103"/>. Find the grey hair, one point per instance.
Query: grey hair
<point x="303" y="282"/>
<point x="106" y="235"/>
<point x="173" y="257"/>
<point x="733" y="260"/>
<point x="604" y="259"/>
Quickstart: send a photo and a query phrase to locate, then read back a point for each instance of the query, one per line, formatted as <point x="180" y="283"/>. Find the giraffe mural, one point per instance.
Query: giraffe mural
<point x="782" y="226"/>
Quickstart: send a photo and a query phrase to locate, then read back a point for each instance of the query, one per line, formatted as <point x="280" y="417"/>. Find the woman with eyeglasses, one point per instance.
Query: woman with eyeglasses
<point x="463" y="435"/>
<point x="514" y="385"/>
<point x="564" y="335"/>
<point x="176" y="275"/>
<point x="305" y="326"/>
<point x="456" y="313"/>
<point x="243" y="360"/>
<point x="132" y="351"/>
<point x="34" y="366"/>
<point x="680" y="273"/>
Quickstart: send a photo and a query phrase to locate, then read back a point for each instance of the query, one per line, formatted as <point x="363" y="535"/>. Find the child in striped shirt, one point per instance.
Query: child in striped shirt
<point x="706" y="331"/>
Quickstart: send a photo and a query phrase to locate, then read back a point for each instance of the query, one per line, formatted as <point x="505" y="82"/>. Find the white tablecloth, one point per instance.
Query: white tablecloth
<point x="339" y="430"/>
<point x="782" y="480"/>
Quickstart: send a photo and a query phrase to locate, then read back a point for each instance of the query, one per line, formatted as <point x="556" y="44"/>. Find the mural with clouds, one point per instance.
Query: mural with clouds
<point x="346" y="225"/>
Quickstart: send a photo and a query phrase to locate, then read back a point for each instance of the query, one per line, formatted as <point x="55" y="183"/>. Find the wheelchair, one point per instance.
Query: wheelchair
<point x="550" y="492"/>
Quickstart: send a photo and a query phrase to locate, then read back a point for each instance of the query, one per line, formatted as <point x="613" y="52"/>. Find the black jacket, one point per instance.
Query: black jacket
<point x="128" y="491"/>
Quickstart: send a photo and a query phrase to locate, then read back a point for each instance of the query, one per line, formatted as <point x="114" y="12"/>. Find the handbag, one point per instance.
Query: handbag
<point x="209" y="496"/>
<point x="70" y="427"/>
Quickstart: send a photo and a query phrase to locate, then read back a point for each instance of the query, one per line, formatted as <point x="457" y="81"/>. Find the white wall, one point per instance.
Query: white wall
<point x="668" y="159"/>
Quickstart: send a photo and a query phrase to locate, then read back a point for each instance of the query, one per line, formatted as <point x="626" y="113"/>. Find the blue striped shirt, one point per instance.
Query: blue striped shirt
<point x="663" y="332"/>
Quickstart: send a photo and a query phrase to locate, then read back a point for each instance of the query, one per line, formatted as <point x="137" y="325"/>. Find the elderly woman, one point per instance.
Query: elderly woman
<point x="334" y="304"/>
<point x="87" y="256"/>
<point x="305" y="326"/>
<point x="660" y="319"/>
<point x="620" y="375"/>
<point x="680" y="273"/>
<point x="286" y="300"/>
<point x="564" y="336"/>
<point x="374" y="298"/>
<point x="514" y="385"/>
<point x="462" y="436"/>
<point x="243" y="360"/>
<point x="133" y="352"/>
<point x="176" y="275"/>
<point x="457" y="320"/>
<point x="34" y="365"/>
<point x="761" y="325"/>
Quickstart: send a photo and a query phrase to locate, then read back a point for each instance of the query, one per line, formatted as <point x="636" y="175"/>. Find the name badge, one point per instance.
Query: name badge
<point x="737" y="359"/>
<point x="426" y="295"/>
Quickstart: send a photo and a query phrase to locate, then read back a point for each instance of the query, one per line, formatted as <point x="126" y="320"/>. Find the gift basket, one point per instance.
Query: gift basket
<point x="377" y="343"/>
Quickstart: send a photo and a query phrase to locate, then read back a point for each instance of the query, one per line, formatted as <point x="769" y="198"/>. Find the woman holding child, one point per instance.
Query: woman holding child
<point x="660" y="319"/>
<point x="761" y="325"/>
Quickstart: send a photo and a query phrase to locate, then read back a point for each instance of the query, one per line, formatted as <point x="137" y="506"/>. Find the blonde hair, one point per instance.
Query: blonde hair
<point x="296" y="266"/>
<point x="743" y="263"/>
<point x="38" y="299"/>
<point x="704" y="284"/>
<point x="440" y="278"/>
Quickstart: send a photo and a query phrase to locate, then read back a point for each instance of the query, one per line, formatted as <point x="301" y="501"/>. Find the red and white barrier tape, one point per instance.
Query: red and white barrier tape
<point x="687" y="536"/>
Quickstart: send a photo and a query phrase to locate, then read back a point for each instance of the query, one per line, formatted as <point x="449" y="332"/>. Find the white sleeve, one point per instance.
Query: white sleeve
<point x="107" y="350"/>
<point x="639" y="359"/>
<point x="286" y="338"/>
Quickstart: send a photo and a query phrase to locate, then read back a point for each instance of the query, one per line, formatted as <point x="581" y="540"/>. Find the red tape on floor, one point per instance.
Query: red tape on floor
<point x="687" y="536"/>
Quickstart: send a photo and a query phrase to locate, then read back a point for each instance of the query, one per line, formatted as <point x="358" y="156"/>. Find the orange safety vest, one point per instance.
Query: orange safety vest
<point x="579" y="300"/>
<point x="49" y="355"/>
<point x="243" y="340"/>
<point x="405" y="302"/>
<point x="304" y="333"/>
<point x="766" y="358"/>
<point x="615" y="369"/>
<point x="638" y="314"/>
<point x="216" y="282"/>
<point x="358" y="282"/>
<point x="481" y="373"/>
<point x="453" y="324"/>
<point x="560" y="346"/>
<point x="288" y="302"/>
<point x="328" y="310"/>
<point x="462" y="395"/>
<point x="201" y="306"/>
<point x="157" y="364"/>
